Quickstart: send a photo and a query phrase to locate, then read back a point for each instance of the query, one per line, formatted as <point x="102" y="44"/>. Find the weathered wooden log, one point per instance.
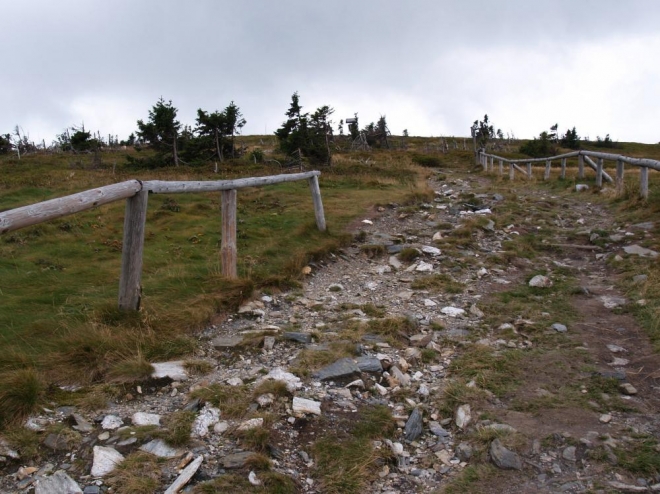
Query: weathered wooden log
<point x="163" y="187"/>
<point x="539" y="160"/>
<point x="619" y="177"/>
<point x="318" y="203"/>
<point x="594" y="167"/>
<point x="644" y="182"/>
<point x="131" y="254"/>
<point x="519" y="169"/>
<point x="548" y="165"/>
<point x="529" y="170"/>
<point x="599" y="172"/>
<point x="563" y="168"/>
<point x="654" y="164"/>
<point x="512" y="171"/>
<point x="228" y="254"/>
<point x="581" y="166"/>
<point x="56" y="208"/>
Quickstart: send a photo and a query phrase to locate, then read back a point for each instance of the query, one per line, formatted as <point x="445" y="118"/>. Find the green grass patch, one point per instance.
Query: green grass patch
<point x="345" y="462"/>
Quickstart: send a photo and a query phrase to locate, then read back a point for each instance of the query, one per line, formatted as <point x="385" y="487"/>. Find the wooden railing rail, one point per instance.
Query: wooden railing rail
<point x="584" y="157"/>
<point x="136" y="194"/>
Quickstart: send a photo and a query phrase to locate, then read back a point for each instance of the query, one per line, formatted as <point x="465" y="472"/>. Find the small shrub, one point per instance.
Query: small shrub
<point x="178" y="427"/>
<point x="139" y="473"/>
<point x="21" y="392"/>
<point x="426" y="160"/>
<point x="409" y="254"/>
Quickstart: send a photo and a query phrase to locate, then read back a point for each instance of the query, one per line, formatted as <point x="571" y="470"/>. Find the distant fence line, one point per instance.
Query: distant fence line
<point x="487" y="161"/>
<point x="136" y="193"/>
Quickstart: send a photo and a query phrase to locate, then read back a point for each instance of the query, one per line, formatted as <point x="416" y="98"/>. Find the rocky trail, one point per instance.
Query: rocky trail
<point x="503" y="371"/>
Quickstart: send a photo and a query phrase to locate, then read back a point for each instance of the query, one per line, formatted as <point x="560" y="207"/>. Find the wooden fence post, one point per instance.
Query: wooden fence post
<point x="619" y="177"/>
<point x="492" y="163"/>
<point x="501" y="167"/>
<point x="644" y="182"/>
<point x="599" y="173"/>
<point x="529" y="170"/>
<point x="563" y="168"/>
<point x="318" y="203"/>
<point x="580" y="166"/>
<point x="548" y="165"/>
<point x="228" y="254"/>
<point x="512" y="171"/>
<point x="132" y="249"/>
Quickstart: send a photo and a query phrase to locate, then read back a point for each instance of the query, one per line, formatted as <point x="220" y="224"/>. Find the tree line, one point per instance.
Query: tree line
<point x="302" y="136"/>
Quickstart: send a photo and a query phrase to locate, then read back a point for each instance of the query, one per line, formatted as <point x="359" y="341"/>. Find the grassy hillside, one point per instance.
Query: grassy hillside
<point x="59" y="280"/>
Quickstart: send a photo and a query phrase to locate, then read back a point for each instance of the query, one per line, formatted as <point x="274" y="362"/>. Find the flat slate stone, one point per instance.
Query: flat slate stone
<point x="58" y="483"/>
<point x="299" y="337"/>
<point x="173" y="369"/>
<point x="227" y="341"/>
<point x="504" y="458"/>
<point x="369" y="364"/>
<point x="105" y="461"/>
<point x="414" y="425"/>
<point x="640" y="251"/>
<point x="159" y="448"/>
<point x="342" y="369"/>
<point x="235" y="460"/>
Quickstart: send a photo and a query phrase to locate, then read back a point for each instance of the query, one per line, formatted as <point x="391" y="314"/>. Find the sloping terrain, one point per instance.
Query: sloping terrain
<point x="477" y="342"/>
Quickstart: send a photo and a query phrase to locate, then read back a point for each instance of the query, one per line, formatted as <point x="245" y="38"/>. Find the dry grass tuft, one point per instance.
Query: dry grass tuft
<point x="21" y="393"/>
<point x="139" y="473"/>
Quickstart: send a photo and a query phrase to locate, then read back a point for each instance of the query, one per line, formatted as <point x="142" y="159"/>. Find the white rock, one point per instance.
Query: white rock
<point x="207" y="417"/>
<point x="423" y="390"/>
<point x="221" y="427"/>
<point x="405" y="294"/>
<point x="383" y="269"/>
<point x="266" y="299"/>
<point x="37" y="424"/>
<point x="265" y="400"/>
<point x="105" y="461"/>
<point x="397" y="448"/>
<point x="302" y="405"/>
<point x="606" y="418"/>
<point x="482" y="272"/>
<point x="437" y="236"/>
<point x="581" y="187"/>
<point x="395" y="263"/>
<point x="142" y="418"/>
<point x="174" y="370"/>
<point x="429" y="303"/>
<point x="251" y="424"/>
<point x="159" y="448"/>
<point x="58" y="483"/>
<point x="424" y="267"/>
<point x="252" y="477"/>
<point x="540" y="281"/>
<point x="619" y="362"/>
<point x="278" y="374"/>
<point x="403" y="379"/>
<point x="372" y="285"/>
<point x="235" y="381"/>
<point x="434" y="251"/>
<point x="452" y="311"/>
<point x="615" y="348"/>
<point x="382" y="390"/>
<point x="367" y="222"/>
<point x="612" y="302"/>
<point x="483" y="211"/>
<point x="185" y="476"/>
<point x="463" y="416"/>
<point x="111" y="422"/>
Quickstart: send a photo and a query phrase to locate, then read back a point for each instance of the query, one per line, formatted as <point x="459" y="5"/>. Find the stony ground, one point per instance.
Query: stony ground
<point x="494" y="385"/>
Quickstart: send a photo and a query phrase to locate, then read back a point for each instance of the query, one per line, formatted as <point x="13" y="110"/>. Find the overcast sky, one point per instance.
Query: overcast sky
<point x="430" y="66"/>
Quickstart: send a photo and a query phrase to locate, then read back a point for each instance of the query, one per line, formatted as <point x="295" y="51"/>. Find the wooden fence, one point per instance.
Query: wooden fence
<point x="136" y="193"/>
<point x="584" y="157"/>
